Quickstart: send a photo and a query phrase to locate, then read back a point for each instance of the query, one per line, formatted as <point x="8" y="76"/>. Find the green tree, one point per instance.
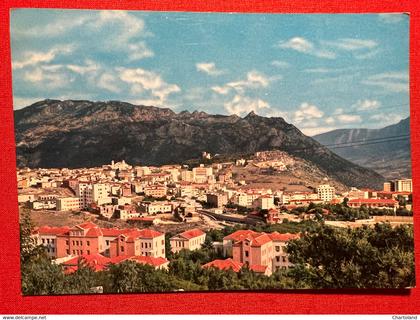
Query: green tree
<point x="379" y="257"/>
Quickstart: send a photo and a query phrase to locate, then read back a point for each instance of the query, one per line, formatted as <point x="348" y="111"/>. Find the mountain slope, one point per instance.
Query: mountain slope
<point x="385" y="150"/>
<point x="71" y="133"/>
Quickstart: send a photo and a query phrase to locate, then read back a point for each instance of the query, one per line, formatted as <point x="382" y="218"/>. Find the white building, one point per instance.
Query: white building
<point x="325" y="192"/>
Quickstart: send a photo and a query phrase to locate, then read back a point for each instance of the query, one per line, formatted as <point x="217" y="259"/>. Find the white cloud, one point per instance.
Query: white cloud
<point x="32" y="58"/>
<point x="90" y="66"/>
<point x="363" y="105"/>
<point x="107" y="81"/>
<point x="241" y="105"/>
<point x="390" y="81"/>
<point x="254" y="80"/>
<point x="148" y="83"/>
<point x="329" y="120"/>
<point x="318" y="70"/>
<point x="384" y="119"/>
<point x="208" y="68"/>
<point x="221" y="90"/>
<point x="307" y="112"/>
<point x="280" y="64"/>
<point x="46" y="78"/>
<point x="349" y="118"/>
<point x="352" y="44"/>
<point x="21" y="102"/>
<point x="305" y="46"/>
<point x="312" y="131"/>
<point x="367" y="55"/>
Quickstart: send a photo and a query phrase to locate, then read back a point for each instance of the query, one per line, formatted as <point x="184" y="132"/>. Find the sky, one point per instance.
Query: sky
<point x="319" y="72"/>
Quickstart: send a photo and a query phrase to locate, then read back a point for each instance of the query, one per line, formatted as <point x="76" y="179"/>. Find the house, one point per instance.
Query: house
<point x="374" y="203"/>
<point x="47" y="236"/>
<point x="189" y="240"/>
<point x="144" y="242"/>
<point x="280" y="256"/>
<point x="254" y="250"/>
<point x="85" y="238"/>
<point x="68" y="204"/>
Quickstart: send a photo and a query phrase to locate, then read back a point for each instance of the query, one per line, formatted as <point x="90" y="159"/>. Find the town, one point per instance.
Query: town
<point x="146" y="214"/>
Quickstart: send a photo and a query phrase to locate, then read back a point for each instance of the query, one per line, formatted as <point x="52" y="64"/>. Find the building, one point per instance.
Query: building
<point x="155" y="191"/>
<point x="156" y="207"/>
<point x="265" y="202"/>
<point x="280" y="256"/>
<point x="85" y="238"/>
<point x="144" y="242"/>
<point x="255" y="251"/>
<point x="188" y="240"/>
<point x="127" y="211"/>
<point x="202" y="173"/>
<point x="374" y="203"/>
<point x="261" y="252"/>
<point x="325" y="192"/>
<point x="217" y="200"/>
<point x="47" y="236"/>
<point x="388" y="186"/>
<point x="68" y="204"/>
<point x="404" y="185"/>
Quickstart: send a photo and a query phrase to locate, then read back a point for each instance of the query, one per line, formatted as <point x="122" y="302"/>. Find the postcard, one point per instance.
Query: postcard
<point x="180" y="151"/>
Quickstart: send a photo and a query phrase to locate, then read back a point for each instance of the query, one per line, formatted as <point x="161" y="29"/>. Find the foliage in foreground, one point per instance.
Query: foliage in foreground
<point x="324" y="257"/>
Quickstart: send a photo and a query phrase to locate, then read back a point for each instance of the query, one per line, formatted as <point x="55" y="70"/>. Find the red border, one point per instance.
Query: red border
<point x="310" y="302"/>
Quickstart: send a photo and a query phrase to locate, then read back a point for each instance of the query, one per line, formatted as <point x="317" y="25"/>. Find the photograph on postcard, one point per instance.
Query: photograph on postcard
<point x="180" y="151"/>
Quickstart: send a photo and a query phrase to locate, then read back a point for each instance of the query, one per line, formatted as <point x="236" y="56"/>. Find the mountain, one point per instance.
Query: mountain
<point x="53" y="133"/>
<point x="386" y="150"/>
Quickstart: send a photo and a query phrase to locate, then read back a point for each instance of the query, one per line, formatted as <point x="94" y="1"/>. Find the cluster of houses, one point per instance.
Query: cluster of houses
<point x="263" y="253"/>
<point x="141" y="193"/>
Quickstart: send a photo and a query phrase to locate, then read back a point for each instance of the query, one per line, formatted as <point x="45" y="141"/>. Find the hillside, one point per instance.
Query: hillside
<point x="385" y="150"/>
<point x="53" y="133"/>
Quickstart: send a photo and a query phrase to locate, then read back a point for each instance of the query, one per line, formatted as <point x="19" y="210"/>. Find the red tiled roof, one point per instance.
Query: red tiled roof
<point x="47" y="230"/>
<point x="155" y="262"/>
<point x="96" y="261"/>
<point x="373" y="201"/>
<point x="224" y="265"/>
<point x="87" y="225"/>
<point x="149" y="234"/>
<point x="189" y="234"/>
<point x="94" y="232"/>
<point x="260" y="240"/>
<point x="258" y="268"/>
<point x="112" y="232"/>
<point x="239" y="235"/>
<point x="275" y="236"/>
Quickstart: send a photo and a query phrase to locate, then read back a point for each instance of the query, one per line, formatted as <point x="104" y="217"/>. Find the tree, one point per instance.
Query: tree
<point x="379" y="257"/>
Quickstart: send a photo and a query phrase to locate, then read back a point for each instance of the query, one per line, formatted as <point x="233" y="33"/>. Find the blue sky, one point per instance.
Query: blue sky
<point x="319" y="72"/>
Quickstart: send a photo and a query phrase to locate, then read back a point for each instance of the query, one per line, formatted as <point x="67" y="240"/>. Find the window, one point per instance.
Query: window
<point x="68" y="251"/>
<point x="74" y="251"/>
<point x="88" y="243"/>
<point x="163" y="242"/>
<point x="81" y="251"/>
<point x="142" y="244"/>
<point x="278" y="259"/>
<point x="284" y="259"/>
<point x="122" y="249"/>
<point x="43" y="240"/>
<point x="246" y="253"/>
<point x="107" y="242"/>
<point x="67" y="242"/>
<point x="277" y="248"/>
<point x="52" y="241"/>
